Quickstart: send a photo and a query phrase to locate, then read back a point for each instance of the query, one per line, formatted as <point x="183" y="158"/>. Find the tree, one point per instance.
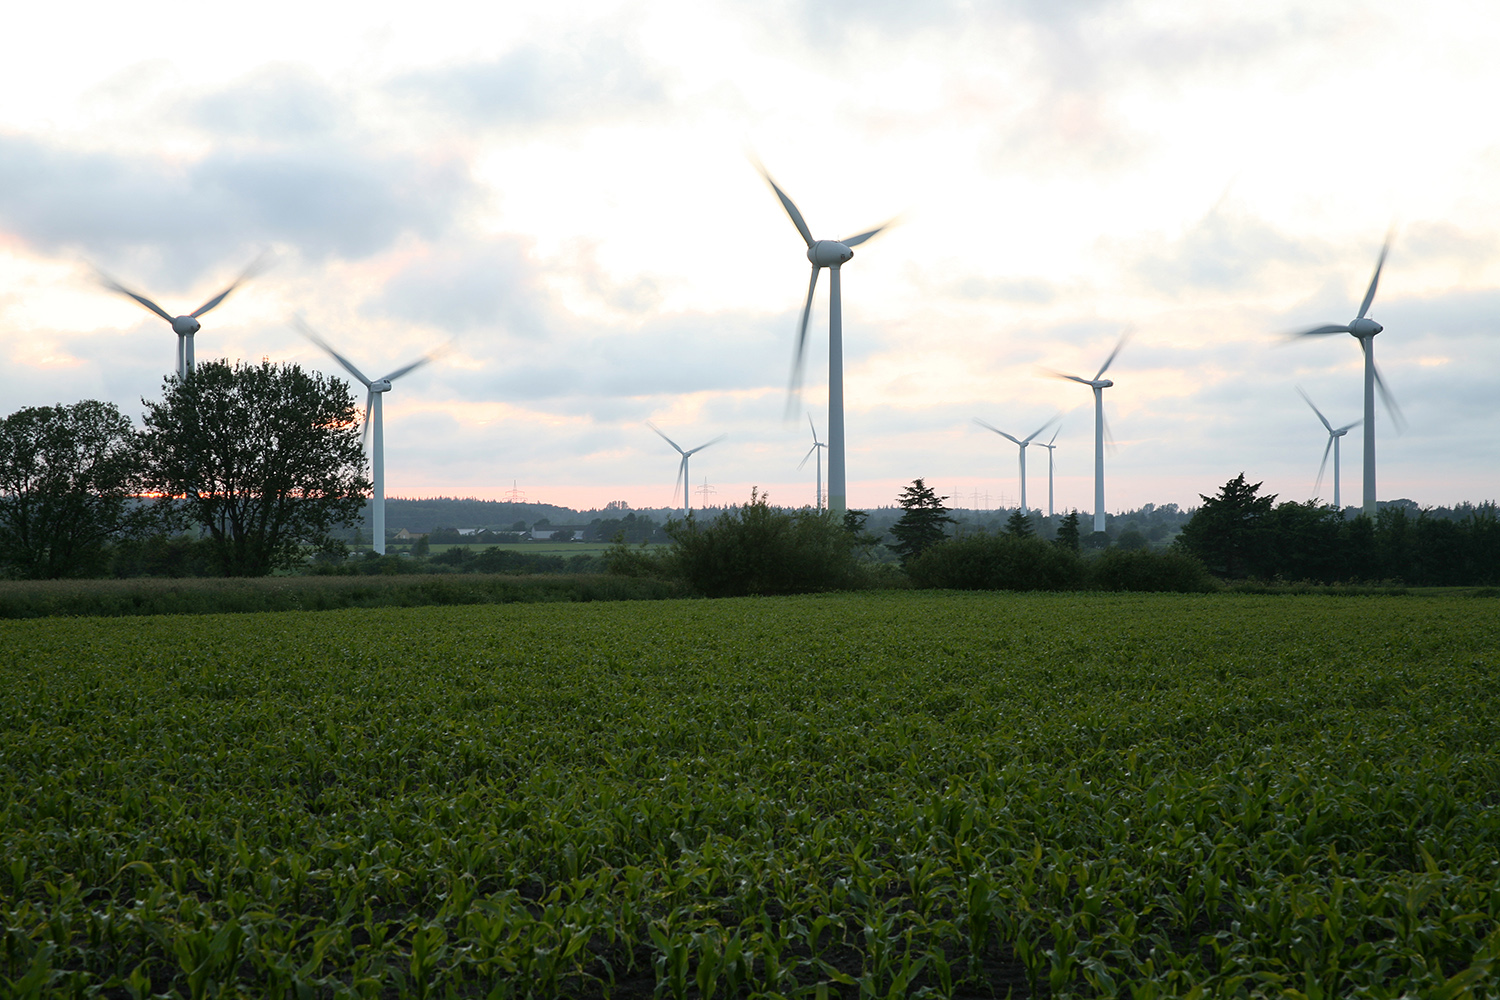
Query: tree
<point x="922" y="523"/>
<point x="66" y="476"/>
<point x="1229" y="530"/>
<point x="1067" y="532"/>
<point x="265" y="458"/>
<point x="1019" y="524"/>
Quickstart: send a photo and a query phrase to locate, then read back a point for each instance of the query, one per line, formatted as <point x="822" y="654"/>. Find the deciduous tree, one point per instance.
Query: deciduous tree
<point x="66" y="475"/>
<point x="266" y="458"/>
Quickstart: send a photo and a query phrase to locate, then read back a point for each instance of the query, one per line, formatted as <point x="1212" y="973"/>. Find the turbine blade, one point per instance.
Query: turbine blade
<point x="1039" y="430"/>
<point x="364" y="441"/>
<point x="680" y="483"/>
<point x="115" y="286"/>
<point x="1055" y="434"/>
<point x="1350" y="427"/>
<point x="1327" y="448"/>
<point x="997" y="430"/>
<point x="1315" y="410"/>
<point x="855" y="241"/>
<point x="791" y="208"/>
<point x="424" y="359"/>
<point x="1109" y="437"/>
<point x="311" y="334"/>
<point x="707" y="443"/>
<point x="1318" y="331"/>
<point x="813" y="428"/>
<point x="1112" y="355"/>
<point x="1390" y="402"/>
<point x="1364" y="306"/>
<point x="810" y="452"/>
<point x="664" y="437"/>
<point x="794" y="388"/>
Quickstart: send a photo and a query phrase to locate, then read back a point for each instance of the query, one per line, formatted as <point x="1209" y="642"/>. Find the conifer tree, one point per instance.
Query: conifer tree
<point x="922" y="524"/>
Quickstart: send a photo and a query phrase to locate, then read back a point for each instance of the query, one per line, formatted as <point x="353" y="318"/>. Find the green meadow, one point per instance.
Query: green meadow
<point x="864" y="795"/>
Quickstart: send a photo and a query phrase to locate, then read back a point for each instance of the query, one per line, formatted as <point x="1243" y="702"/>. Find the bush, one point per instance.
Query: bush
<point x="997" y="562"/>
<point x="1144" y="569"/>
<point x="761" y="550"/>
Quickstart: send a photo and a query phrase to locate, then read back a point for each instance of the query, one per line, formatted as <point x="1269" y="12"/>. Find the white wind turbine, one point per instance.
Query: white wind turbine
<point x="1364" y="329"/>
<point x="1334" y="436"/>
<point x="831" y="254"/>
<point x="1098" y="383"/>
<point x="815" y="450"/>
<point x="184" y="326"/>
<point x="1051" y="448"/>
<point x="682" y="479"/>
<point x="377" y="388"/>
<point x="1022" y="445"/>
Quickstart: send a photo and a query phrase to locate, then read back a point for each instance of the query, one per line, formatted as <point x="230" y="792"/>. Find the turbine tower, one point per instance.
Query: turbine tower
<point x="831" y="254"/>
<point x="377" y="389"/>
<point x="682" y="469"/>
<point x="1363" y="329"/>
<point x="184" y="326"/>
<point x="815" y="450"/>
<point x="1098" y="383"/>
<point x="1023" y="444"/>
<point x="1334" y="435"/>
<point x="1051" y="447"/>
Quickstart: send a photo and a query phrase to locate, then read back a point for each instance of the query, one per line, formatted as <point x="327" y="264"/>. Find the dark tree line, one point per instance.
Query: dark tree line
<point x="1240" y="534"/>
<point x="257" y="463"/>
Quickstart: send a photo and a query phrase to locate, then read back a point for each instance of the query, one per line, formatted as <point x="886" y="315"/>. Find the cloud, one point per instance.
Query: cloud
<point x="275" y="104"/>
<point x="594" y="78"/>
<point x="1226" y="250"/>
<point x="190" y="216"/>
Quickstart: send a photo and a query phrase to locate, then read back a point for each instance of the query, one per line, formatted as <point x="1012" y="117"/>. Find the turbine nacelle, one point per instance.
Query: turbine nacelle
<point x="829" y="253"/>
<point x="1364" y="327"/>
<point x="381" y="385"/>
<point x="185" y="326"/>
<point x="1102" y="383"/>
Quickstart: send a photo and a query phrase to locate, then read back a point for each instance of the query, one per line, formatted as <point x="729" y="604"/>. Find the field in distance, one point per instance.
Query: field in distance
<point x="873" y="794"/>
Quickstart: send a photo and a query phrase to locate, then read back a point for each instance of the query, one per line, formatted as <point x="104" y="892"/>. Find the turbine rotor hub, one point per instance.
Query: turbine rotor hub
<point x="829" y="253"/>
<point x="1364" y="327"/>
<point x="185" y="326"/>
<point x="1103" y="383"/>
<point x="381" y="385"/>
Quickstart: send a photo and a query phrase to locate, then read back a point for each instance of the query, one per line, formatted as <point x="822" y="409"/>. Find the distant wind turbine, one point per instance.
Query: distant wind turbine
<point x="184" y="326"/>
<point x="831" y="254"/>
<point x="1098" y="383"/>
<point x="1051" y="448"/>
<point x="682" y="480"/>
<point x="815" y="450"/>
<point x="1022" y="445"/>
<point x="1334" y="437"/>
<point x="1364" y="329"/>
<point x="377" y="389"/>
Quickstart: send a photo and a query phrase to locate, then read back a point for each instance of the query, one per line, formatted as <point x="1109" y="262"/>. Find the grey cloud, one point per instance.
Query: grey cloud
<point x="531" y="85"/>
<point x="323" y="201"/>
<point x="275" y="104"/>
<point x="1223" y="251"/>
<point x="465" y="286"/>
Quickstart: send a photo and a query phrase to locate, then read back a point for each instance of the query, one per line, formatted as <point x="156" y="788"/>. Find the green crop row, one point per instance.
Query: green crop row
<point x="889" y="794"/>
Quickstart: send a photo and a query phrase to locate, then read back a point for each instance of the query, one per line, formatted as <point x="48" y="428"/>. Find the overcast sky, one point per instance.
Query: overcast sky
<point x="566" y="192"/>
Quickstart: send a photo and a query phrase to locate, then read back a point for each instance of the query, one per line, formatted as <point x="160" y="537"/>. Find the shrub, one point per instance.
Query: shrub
<point x="1147" y="570"/>
<point x="758" y="549"/>
<point x="997" y="562"/>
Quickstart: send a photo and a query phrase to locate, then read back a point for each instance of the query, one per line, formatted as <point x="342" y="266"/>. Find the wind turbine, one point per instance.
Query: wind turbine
<point x="1051" y="447"/>
<point x="377" y="388"/>
<point x="1023" y="445"/>
<point x="1364" y="329"/>
<point x="1098" y="383"/>
<point x="831" y="254"/>
<point x="1334" y="435"/>
<point x="814" y="450"/>
<point x="184" y="326"/>
<point x="682" y="470"/>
